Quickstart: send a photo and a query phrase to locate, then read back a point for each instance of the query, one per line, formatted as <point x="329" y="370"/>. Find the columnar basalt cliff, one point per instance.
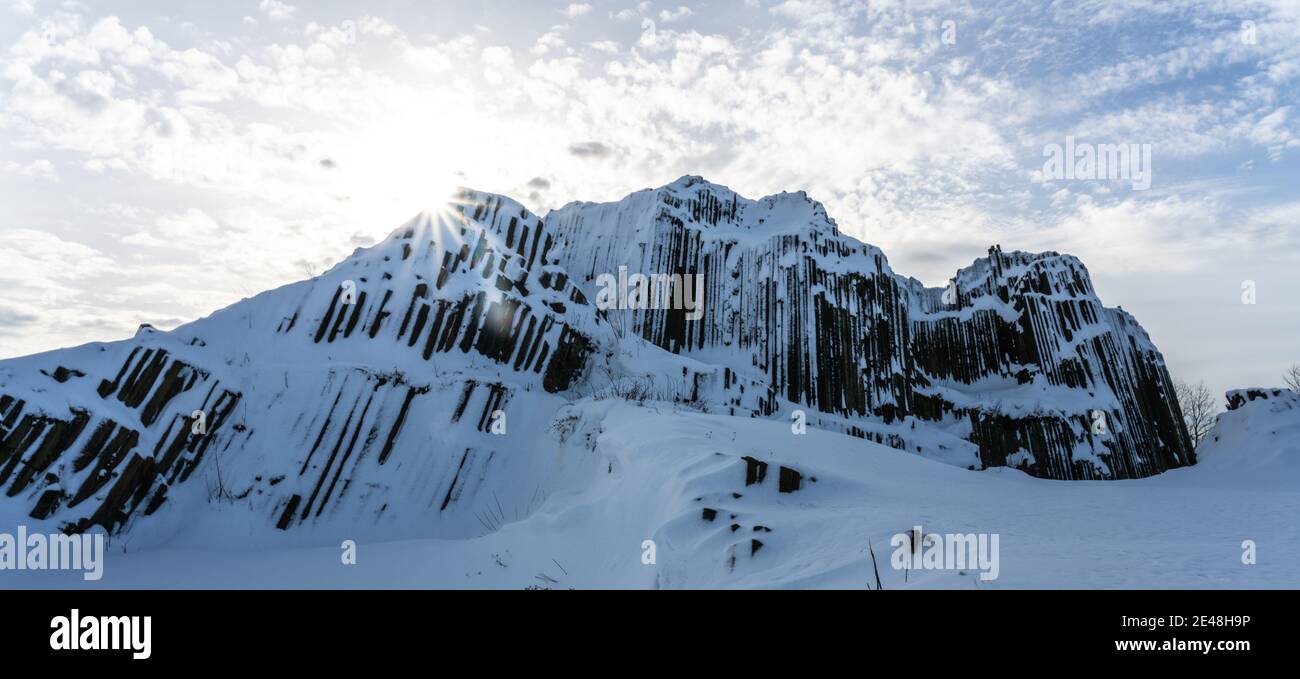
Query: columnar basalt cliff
<point x="422" y="386"/>
<point x="1018" y="357"/>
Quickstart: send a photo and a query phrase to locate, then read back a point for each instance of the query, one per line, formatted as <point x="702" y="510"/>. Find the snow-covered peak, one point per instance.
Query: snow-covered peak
<point x="1040" y="272"/>
<point x="466" y="207"/>
<point x="694" y="203"/>
<point x="686" y="181"/>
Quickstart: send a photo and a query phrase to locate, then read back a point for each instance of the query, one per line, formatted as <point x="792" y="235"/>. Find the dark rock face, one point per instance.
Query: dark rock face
<point x="1240" y="397"/>
<point x="91" y="456"/>
<point x="1021" y="358"/>
<point x="502" y="320"/>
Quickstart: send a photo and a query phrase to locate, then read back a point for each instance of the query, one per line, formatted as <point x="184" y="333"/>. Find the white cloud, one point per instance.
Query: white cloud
<point x="276" y="10"/>
<point x="498" y="64"/>
<point x="578" y="9"/>
<point x="550" y="41"/>
<point x="668" y="15"/>
<point x="45" y="280"/>
<point x="806" y="11"/>
<point x="630" y="13"/>
<point x="430" y="58"/>
<point x="37" y="169"/>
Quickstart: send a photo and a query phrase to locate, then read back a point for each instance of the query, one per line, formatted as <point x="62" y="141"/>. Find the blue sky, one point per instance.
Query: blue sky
<point x="158" y="162"/>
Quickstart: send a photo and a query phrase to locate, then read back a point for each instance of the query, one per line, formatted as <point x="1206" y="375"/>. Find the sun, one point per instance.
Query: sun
<point x="401" y="166"/>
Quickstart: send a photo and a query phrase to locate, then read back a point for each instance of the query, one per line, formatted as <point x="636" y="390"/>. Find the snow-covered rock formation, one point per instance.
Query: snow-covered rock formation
<point x="1017" y="356"/>
<point x="1256" y="441"/>
<point x="424" y="386"/>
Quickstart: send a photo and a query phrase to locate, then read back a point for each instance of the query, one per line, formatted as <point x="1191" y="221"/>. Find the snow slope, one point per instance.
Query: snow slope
<point x="657" y="472"/>
<point x="363" y="399"/>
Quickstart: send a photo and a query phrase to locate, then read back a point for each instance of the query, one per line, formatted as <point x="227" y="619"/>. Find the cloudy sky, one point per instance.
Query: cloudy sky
<point x="158" y="163"/>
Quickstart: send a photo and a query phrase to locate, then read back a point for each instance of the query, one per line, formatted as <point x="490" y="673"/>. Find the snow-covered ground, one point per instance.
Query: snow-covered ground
<point x="678" y="478"/>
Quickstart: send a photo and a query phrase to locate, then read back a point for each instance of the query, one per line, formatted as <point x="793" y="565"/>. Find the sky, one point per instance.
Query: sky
<point x="161" y="160"/>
